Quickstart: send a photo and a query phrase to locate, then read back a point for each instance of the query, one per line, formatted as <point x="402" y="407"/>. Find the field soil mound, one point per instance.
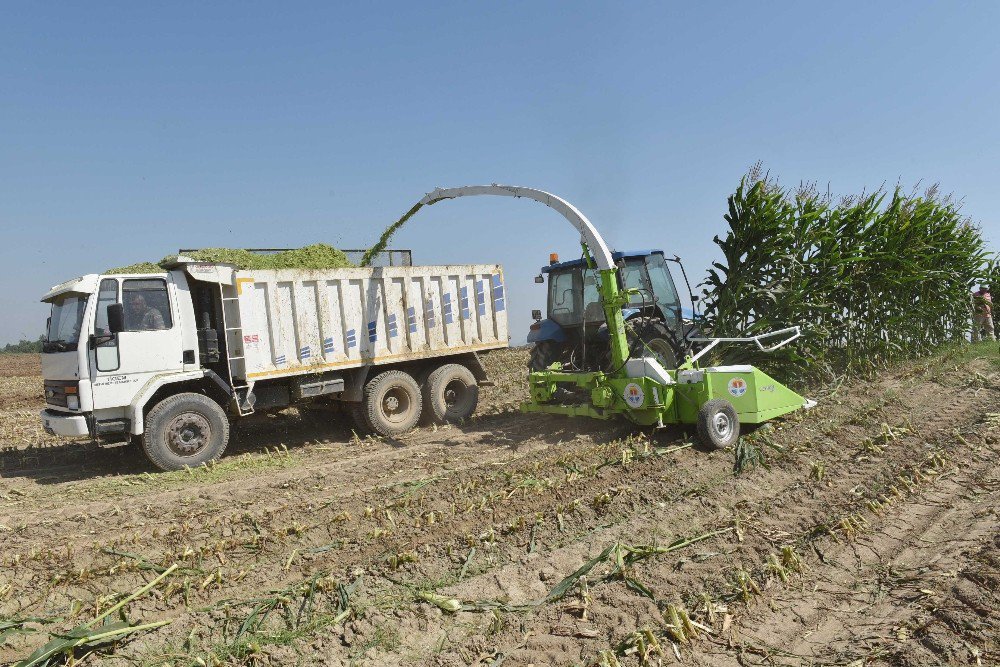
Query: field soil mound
<point x="869" y="537"/>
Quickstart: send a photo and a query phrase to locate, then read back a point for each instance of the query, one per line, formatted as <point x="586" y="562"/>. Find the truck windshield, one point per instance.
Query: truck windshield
<point x="65" y="323"/>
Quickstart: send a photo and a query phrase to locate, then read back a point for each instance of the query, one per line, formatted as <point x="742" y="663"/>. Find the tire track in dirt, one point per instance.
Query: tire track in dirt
<point x="863" y="601"/>
<point x="495" y="485"/>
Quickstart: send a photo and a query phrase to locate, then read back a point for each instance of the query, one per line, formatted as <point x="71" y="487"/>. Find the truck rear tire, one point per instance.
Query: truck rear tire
<point x="392" y="403"/>
<point x="359" y="416"/>
<point x="718" y="424"/>
<point x="185" y="430"/>
<point x="451" y="394"/>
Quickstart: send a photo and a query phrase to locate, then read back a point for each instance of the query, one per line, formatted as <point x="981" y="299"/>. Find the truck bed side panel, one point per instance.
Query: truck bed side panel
<point x="300" y="321"/>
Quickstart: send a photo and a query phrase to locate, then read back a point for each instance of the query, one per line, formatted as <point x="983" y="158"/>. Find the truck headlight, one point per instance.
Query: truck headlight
<point x="73" y="402"/>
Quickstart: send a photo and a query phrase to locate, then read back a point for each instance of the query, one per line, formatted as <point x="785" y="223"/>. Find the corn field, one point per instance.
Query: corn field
<point x="870" y="278"/>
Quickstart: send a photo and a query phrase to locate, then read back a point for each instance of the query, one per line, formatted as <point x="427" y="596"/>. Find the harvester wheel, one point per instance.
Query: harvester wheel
<point x="650" y="335"/>
<point x="185" y="430"/>
<point x="451" y="394"/>
<point x="718" y="424"/>
<point x="392" y="403"/>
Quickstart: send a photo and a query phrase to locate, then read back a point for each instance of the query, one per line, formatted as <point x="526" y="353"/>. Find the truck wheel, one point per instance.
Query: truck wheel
<point x="185" y="430"/>
<point x="359" y="415"/>
<point x="651" y="336"/>
<point x="718" y="424"/>
<point x="392" y="403"/>
<point x="451" y="394"/>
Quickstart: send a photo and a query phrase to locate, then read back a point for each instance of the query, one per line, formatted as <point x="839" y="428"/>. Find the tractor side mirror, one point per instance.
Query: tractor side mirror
<point x="694" y="298"/>
<point x="539" y="279"/>
<point x="116" y="318"/>
<point x="536" y="314"/>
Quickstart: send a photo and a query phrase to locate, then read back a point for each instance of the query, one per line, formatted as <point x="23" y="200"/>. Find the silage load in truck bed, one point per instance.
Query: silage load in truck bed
<point x="315" y="256"/>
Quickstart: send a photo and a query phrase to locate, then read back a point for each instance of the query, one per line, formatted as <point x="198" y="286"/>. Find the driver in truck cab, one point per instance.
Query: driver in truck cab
<point x="142" y="317"/>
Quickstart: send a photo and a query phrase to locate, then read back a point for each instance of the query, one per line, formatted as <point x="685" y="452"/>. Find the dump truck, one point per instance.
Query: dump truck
<point x="166" y="360"/>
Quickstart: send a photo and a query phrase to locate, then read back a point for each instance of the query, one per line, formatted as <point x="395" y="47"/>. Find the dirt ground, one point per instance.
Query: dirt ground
<point x="870" y="535"/>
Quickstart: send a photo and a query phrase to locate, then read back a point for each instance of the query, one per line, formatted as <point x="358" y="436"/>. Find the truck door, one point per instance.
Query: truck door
<point x="150" y="345"/>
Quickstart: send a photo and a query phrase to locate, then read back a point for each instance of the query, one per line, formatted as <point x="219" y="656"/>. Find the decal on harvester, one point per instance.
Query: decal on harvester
<point x="633" y="395"/>
<point x="737" y="387"/>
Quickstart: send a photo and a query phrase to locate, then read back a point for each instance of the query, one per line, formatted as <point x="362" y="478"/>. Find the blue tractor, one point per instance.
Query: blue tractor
<point x="574" y="332"/>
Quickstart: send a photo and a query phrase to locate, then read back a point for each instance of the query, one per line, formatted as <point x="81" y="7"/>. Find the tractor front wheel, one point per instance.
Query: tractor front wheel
<point x="718" y="424"/>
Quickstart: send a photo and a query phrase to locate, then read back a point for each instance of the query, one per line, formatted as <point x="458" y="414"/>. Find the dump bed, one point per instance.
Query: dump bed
<point x="293" y="321"/>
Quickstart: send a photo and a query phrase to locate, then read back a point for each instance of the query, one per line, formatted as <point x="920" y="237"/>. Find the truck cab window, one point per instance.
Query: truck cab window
<point x="65" y="323"/>
<point x="147" y="306"/>
<point x="106" y="295"/>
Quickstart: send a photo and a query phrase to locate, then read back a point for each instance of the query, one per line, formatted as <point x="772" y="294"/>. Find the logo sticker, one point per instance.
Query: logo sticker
<point x="737" y="387"/>
<point x="633" y="395"/>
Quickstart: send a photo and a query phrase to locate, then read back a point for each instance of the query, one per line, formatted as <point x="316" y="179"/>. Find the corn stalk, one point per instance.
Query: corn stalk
<point x="871" y="278"/>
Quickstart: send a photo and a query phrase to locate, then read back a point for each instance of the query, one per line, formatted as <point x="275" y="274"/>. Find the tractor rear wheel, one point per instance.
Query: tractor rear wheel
<point x="647" y="335"/>
<point x="718" y="424"/>
<point x="543" y="355"/>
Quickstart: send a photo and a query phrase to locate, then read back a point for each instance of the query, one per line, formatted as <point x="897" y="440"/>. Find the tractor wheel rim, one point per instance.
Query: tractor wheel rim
<point x="396" y="405"/>
<point x="188" y="433"/>
<point x="723" y="425"/>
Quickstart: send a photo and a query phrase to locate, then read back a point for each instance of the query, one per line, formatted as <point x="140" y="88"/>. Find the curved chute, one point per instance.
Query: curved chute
<point x="595" y="242"/>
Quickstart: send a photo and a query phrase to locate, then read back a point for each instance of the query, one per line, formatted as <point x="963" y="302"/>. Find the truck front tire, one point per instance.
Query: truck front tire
<point x="392" y="403"/>
<point x="185" y="430"/>
<point x="451" y="394"/>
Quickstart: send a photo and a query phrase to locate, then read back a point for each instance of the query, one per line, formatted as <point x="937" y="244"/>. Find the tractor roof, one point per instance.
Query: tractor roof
<point x="624" y="254"/>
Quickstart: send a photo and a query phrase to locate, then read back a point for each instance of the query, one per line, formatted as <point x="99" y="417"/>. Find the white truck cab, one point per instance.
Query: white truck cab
<point x="167" y="359"/>
<point x="95" y="379"/>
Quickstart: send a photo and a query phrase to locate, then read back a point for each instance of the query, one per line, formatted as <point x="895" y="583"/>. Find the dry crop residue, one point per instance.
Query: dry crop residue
<point x="870" y="538"/>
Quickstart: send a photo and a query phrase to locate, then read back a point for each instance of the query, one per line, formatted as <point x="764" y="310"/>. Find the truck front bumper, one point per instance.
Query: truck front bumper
<point x="66" y="425"/>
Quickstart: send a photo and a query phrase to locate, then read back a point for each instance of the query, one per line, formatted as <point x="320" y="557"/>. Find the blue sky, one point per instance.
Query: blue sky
<point x="128" y="130"/>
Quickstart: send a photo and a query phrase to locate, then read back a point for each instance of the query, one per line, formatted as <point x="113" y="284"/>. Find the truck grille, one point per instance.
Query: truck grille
<point x="56" y="391"/>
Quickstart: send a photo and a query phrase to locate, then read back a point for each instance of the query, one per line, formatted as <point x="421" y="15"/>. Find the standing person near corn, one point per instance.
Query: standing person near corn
<point x="982" y="314"/>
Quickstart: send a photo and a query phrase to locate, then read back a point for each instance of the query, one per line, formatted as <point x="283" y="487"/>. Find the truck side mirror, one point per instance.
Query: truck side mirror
<point x="694" y="298"/>
<point x="539" y="279"/>
<point x="116" y="318"/>
<point x="536" y="314"/>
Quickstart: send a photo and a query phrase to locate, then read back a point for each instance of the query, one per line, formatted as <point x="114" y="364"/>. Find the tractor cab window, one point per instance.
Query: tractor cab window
<point x="593" y="309"/>
<point x="663" y="286"/>
<point x="635" y="279"/>
<point x="562" y="298"/>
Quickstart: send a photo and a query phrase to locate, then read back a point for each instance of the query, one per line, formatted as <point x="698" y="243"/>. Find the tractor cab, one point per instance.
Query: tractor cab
<point x="574" y="331"/>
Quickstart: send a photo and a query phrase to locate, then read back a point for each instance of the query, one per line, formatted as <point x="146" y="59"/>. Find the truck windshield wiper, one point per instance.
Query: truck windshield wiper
<point x="55" y="346"/>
